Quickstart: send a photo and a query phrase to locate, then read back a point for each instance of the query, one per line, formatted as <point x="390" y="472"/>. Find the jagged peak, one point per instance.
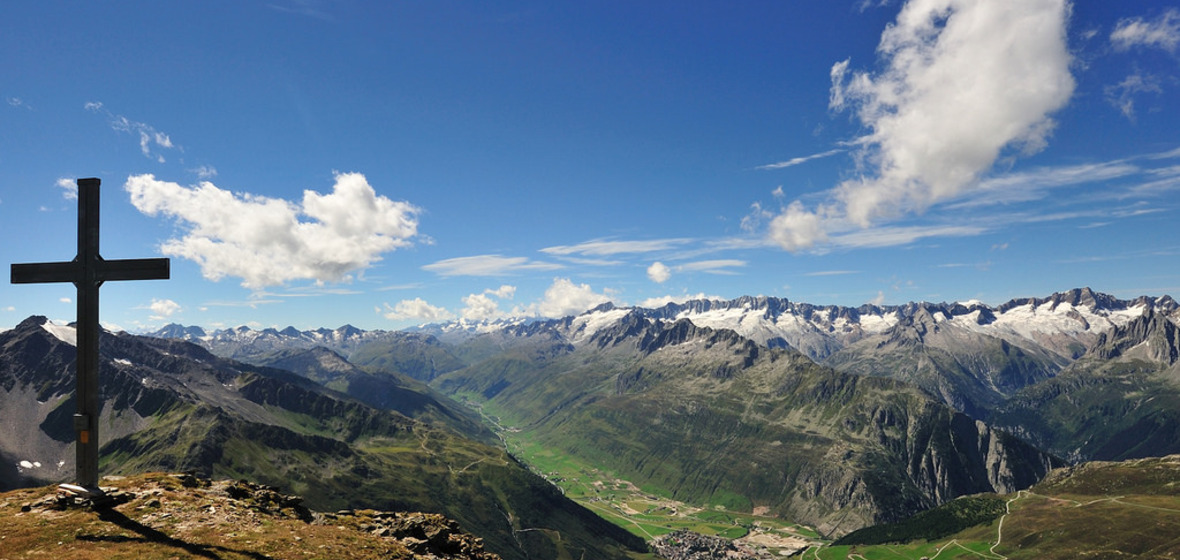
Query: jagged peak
<point x="1077" y="297"/>
<point x="1153" y="332"/>
<point x="602" y="307"/>
<point x="630" y="325"/>
<point x="179" y="331"/>
<point x="1085" y="297"/>
<point x="34" y="321"/>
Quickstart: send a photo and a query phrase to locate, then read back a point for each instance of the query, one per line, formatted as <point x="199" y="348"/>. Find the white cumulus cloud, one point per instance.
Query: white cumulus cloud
<point x="483" y="306"/>
<point x="69" y="188"/>
<point x="659" y="273"/>
<point x="416" y="309"/>
<point x="961" y="82"/>
<point x="162" y="308"/>
<point x="503" y="292"/>
<point x="269" y="241"/>
<point x="564" y="298"/>
<point x="879" y="300"/>
<point x="480" y="307"/>
<point x="657" y="302"/>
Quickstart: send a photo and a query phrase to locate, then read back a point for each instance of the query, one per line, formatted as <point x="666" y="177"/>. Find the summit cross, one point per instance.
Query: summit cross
<point x="87" y="272"/>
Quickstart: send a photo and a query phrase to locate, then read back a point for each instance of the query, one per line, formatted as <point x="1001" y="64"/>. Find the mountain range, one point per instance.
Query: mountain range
<point x="170" y="406"/>
<point x="970" y="355"/>
<point x="836" y="417"/>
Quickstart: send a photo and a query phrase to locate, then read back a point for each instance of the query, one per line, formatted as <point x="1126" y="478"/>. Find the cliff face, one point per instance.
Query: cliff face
<point x="710" y="417"/>
<point x="1121" y="400"/>
<point x="1151" y="337"/>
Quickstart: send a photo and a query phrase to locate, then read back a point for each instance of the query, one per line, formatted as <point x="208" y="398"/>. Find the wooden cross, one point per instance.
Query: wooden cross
<point x="87" y="272"/>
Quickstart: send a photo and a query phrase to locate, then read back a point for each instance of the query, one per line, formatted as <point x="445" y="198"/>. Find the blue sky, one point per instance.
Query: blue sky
<point x="385" y="164"/>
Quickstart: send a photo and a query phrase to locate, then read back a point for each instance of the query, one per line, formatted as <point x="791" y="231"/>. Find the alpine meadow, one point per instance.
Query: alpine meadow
<point x="845" y="280"/>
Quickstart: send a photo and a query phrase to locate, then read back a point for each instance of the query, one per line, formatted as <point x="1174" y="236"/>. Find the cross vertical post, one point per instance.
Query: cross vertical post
<point x="87" y="272"/>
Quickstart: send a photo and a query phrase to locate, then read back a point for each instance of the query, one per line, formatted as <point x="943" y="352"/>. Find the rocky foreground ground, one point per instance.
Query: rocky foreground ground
<point x="182" y="516"/>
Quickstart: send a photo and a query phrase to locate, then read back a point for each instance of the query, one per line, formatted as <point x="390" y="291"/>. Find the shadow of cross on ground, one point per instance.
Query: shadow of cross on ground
<point x="150" y="535"/>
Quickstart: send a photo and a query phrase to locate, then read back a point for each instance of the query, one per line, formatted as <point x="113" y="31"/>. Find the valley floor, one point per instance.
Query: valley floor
<point x="648" y="515"/>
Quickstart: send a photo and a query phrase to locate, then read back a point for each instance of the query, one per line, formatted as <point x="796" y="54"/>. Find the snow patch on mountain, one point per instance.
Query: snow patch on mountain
<point x="64" y="333"/>
<point x="1065" y="323"/>
<point x="587" y="324"/>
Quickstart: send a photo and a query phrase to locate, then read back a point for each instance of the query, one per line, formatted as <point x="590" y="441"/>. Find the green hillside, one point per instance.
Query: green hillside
<point x="710" y="418"/>
<point x="1119" y="401"/>
<point x="1095" y="510"/>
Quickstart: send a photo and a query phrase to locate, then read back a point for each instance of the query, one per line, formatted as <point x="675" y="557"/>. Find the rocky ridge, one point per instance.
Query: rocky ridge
<point x="153" y="512"/>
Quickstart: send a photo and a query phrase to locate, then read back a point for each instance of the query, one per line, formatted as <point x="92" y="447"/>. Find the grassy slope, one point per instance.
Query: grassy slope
<point x="339" y="454"/>
<point x="1096" y="510"/>
<point x="1105" y="410"/>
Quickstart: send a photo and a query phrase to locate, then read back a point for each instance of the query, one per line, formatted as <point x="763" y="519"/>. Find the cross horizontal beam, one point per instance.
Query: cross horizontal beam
<point x="121" y="269"/>
<point x="87" y="272"/>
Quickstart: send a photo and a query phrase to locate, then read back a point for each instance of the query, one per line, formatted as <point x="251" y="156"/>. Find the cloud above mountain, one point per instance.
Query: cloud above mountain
<point x="564" y="298"/>
<point x="961" y="82"/>
<point x="270" y="241"/>
<point x="415" y="309"/>
<point x="561" y="299"/>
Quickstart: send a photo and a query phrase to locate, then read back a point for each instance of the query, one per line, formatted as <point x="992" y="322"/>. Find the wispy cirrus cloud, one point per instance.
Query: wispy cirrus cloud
<point x="832" y="272"/>
<point x="659" y="272"/>
<point x="151" y="141"/>
<point x="800" y="160"/>
<point x="1037" y="184"/>
<point x="488" y="265"/>
<point x="606" y="248"/>
<point x="891" y="236"/>
<point x="716" y="266"/>
<point x="1162" y="32"/>
<point x="1122" y="95"/>
<point x="311" y="8"/>
<point x="204" y="172"/>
